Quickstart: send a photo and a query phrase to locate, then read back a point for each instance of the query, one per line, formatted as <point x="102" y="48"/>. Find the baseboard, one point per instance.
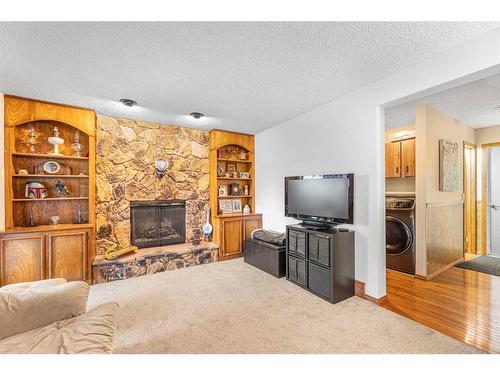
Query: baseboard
<point x="441" y="270"/>
<point x="359" y="290"/>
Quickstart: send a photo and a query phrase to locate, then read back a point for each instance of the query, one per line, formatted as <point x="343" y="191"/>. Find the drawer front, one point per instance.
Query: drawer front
<point x="297" y="243"/>
<point x="297" y="270"/>
<point x="319" y="280"/>
<point x="319" y="249"/>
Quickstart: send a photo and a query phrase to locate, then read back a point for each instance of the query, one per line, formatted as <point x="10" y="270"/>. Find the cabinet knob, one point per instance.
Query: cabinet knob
<point x="407" y="169"/>
<point x="397" y="169"/>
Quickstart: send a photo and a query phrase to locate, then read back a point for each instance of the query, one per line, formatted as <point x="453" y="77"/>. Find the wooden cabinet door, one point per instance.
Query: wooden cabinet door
<point x="67" y="254"/>
<point x="232" y="241"/>
<point x="22" y="258"/>
<point x="250" y="224"/>
<point x="393" y="159"/>
<point x="408" y="157"/>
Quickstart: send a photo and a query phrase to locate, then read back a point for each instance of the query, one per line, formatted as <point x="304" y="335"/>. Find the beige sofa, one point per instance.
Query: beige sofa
<point x="49" y="317"/>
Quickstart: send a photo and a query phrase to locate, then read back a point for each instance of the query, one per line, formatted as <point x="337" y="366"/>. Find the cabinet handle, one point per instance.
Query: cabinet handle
<point x="407" y="169"/>
<point x="397" y="170"/>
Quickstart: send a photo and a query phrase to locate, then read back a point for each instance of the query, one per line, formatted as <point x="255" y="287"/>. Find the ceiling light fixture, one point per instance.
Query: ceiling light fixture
<point x="497" y="108"/>
<point x="196" y="115"/>
<point x="128" y="102"/>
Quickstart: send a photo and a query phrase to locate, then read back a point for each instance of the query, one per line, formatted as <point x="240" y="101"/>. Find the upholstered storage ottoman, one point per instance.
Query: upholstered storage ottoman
<point x="265" y="256"/>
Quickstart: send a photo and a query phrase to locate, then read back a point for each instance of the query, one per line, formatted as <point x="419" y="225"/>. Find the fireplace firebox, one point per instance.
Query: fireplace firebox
<point x="157" y="223"/>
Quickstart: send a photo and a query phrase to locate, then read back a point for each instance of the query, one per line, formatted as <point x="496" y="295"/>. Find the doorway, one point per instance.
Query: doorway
<point x="493" y="200"/>
<point x="470" y="213"/>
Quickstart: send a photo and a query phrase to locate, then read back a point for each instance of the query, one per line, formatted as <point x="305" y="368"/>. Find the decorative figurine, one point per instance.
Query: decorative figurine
<point x="246" y="209"/>
<point x="207" y="228"/>
<point x="76" y="146"/>
<point x="23" y="172"/>
<point x="246" y="190"/>
<point x="54" y="220"/>
<point x="35" y="190"/>
<point x="220" y="171"/>
<point x="61" y="189"/>
<point x="55" y="140"/>
<point x="31" y="140"/>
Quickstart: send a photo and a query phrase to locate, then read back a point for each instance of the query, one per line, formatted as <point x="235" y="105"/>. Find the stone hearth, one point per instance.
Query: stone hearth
<point x="153" y="260"/>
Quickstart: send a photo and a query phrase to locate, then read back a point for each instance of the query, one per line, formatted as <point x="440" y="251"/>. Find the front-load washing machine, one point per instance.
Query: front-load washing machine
<point x="400" y="233"/>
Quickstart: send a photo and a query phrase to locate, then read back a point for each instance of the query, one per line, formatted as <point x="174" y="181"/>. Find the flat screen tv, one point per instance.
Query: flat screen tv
<point x="321" y="200"/>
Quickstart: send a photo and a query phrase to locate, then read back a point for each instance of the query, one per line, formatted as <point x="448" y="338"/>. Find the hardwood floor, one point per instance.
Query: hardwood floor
<point x="460" y="303"/>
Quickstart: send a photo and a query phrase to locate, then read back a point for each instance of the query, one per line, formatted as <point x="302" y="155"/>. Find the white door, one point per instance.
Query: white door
<point x="494" y="201"/>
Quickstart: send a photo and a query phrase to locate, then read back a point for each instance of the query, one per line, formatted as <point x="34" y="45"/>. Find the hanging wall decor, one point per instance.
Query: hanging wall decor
<point x="448" y="165"/>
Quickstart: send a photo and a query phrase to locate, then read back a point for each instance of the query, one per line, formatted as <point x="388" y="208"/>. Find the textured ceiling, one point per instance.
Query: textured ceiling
<point x="476" y="104"/>
<point x="244" y="76"/>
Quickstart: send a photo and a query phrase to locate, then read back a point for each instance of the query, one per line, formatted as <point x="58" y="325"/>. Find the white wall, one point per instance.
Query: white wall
<point x="2" y="169"/>
<point x="347" y="135"/>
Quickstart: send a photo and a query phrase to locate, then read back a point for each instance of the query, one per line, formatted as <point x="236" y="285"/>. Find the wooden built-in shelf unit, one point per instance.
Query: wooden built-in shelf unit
<point x="231" y="229"/>
<point x="29" y="253"/>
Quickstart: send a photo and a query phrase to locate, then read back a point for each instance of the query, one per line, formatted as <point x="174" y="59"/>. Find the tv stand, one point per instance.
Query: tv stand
<point x="321" y="261"/>
<point x="314" y="225"/>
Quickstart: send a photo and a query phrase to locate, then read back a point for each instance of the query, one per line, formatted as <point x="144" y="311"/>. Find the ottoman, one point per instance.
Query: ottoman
<point x="265" y="256"/>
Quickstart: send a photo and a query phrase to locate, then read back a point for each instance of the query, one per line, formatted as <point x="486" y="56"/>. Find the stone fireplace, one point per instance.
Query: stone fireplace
<point x="161" y="215"/>
<point x="157" y="223"/>
<point x="126" y="152"/>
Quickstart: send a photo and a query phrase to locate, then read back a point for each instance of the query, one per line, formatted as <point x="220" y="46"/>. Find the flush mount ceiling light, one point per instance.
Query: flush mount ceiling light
<point x="196" y="115"/>
<point x="497" y="108"/>
<point x="128" y="102"/>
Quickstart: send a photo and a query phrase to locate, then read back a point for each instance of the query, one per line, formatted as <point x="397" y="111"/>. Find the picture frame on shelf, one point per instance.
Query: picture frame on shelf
<point x="225" y="206"/>
<point x="236" y="203"/>
<point x="231" y="168"/>
<point x="51" y="167"/>
<point x="245" y="175"/>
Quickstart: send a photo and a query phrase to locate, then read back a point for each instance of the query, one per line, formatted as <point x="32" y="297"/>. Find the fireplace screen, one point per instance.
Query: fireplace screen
<point x="158" y="223"/>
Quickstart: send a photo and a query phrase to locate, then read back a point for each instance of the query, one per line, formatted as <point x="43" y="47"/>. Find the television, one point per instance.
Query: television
<point x="320" y="200"/>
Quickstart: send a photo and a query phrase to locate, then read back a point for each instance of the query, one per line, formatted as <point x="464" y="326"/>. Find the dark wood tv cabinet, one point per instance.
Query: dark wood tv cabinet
<point x="321" y="261"/>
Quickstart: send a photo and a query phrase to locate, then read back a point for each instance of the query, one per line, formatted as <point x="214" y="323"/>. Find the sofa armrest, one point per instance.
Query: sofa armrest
<point x="23" y="310"/>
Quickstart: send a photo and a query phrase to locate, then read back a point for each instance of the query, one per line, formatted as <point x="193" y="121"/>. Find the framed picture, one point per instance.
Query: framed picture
<point x="448" y="165"/>
<point x="231" y="167"/>
<point x="237" y="205"/>
<point x="226" y="206"/>
<point x="223" y="190"/>
<point x="244" y="175"/>
<point x="51" y="167"/>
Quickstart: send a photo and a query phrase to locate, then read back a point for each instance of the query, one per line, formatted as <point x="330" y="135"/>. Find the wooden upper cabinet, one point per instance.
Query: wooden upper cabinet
<point x="408" y="157"/>
<point x="400" y="158"/>
<point x="393" y="159"/>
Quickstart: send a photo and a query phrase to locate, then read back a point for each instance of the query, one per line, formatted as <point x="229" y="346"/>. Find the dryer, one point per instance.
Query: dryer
<point x="400" y="233"/>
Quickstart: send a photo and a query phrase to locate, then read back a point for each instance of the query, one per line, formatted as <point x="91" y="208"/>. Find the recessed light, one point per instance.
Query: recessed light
<point x="497" y="108"/>
<point x="128" y="102"/>
<point x="197" y="115"/>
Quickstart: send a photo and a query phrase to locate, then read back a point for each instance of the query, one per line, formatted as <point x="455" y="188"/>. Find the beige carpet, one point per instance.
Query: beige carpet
<point x="231" y="307"/>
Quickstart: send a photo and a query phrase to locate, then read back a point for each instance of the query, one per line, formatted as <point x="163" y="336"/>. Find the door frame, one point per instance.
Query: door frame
<point x="485" y="197"/>
<point x="473" y="192"/>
